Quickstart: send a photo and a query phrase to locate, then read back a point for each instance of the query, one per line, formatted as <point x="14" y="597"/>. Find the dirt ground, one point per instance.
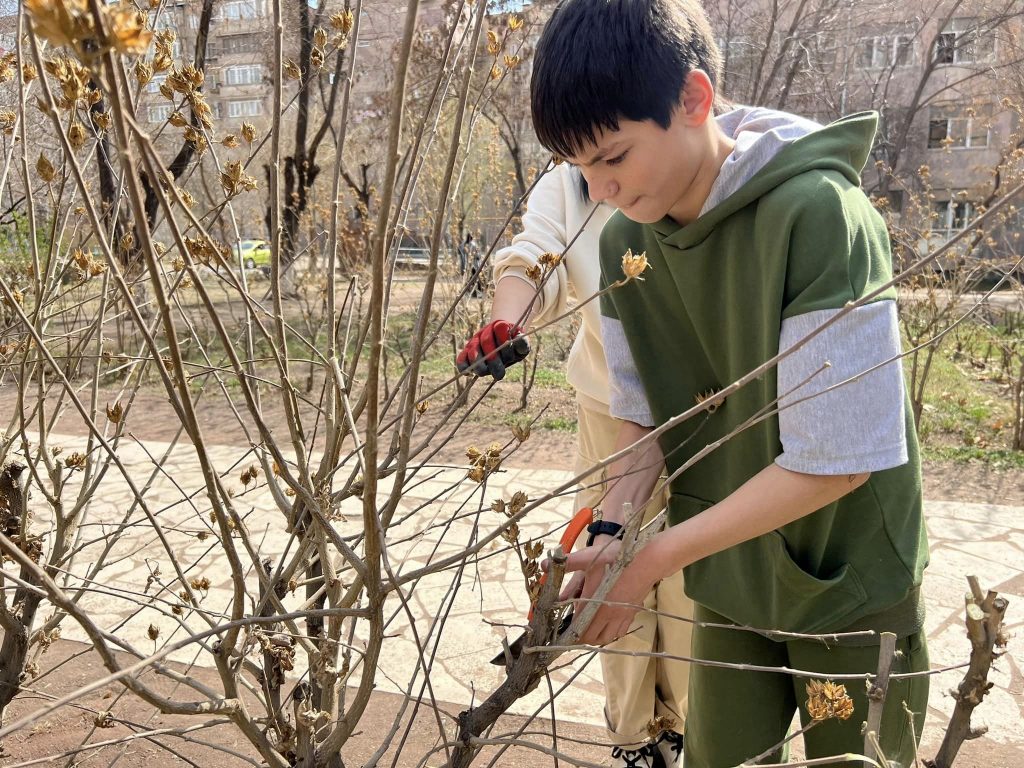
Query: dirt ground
<point x="973" y="481"/>
<point x="222" y="746"/>
<point x="150" y="417"/>
<point x="75" y="665"/>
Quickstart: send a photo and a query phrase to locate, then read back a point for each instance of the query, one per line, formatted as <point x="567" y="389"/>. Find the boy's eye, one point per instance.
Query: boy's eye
<point x="617" y="159"/>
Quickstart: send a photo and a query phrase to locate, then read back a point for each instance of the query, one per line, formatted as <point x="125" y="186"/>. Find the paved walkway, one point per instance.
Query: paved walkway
<point x="439" y="518"/>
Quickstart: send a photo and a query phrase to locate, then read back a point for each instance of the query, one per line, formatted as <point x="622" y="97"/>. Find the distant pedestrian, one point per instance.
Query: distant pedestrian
<point x="464" y="253"/>
<point x="474" y="261"/>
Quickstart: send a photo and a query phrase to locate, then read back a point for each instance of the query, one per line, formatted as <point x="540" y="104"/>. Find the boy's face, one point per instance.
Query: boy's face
<point x="649" y="172"/>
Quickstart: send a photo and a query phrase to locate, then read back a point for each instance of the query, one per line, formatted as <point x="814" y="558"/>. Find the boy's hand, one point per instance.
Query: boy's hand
<point x="479" y="356"/>
<point x="588" y="567"/>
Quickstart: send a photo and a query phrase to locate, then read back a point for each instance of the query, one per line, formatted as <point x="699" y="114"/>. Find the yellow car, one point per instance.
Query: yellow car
<point x="255" y="253"/>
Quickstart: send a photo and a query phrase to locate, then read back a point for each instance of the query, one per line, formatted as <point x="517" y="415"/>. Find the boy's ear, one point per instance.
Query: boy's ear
<point x="698" y="98"/>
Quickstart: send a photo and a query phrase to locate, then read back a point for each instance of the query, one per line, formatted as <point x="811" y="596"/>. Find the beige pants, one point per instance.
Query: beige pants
<point x="637" y="688"/>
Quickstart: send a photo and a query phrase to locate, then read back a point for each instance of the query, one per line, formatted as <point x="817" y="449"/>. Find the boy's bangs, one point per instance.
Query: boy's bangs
<point x="567" y="120"/>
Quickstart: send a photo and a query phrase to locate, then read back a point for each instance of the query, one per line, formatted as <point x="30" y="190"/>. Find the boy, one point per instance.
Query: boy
<point x="808" y="521"/>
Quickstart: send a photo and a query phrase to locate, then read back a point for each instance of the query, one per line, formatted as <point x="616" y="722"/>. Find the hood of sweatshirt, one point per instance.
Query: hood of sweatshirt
<point x="771" y="148"/>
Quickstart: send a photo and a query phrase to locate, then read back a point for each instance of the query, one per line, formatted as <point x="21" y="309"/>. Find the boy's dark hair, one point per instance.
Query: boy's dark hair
<point x="598" y="61"/>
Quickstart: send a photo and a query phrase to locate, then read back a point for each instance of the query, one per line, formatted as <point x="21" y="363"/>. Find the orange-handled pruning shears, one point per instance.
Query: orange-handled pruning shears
<point x="576" y="526"/>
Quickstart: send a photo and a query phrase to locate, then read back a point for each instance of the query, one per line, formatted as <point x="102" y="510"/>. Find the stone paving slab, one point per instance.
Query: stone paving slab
<point x="442" y="517"/>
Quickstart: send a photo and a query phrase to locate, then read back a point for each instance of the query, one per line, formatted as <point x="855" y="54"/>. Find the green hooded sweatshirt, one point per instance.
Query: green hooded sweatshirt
<point x="798" y="237"/>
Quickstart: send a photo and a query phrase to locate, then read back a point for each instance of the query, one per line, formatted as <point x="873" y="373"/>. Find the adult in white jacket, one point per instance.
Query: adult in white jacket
<point x="637" y="689"/>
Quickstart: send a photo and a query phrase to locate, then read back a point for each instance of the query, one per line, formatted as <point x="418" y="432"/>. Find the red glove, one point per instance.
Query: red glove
<point x="479" y="356"/>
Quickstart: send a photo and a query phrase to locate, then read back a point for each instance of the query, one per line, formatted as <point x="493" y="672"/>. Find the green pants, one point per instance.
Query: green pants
<point x="735" y="715"/>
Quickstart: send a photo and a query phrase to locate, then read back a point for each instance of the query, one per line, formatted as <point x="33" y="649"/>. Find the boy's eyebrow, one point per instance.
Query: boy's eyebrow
<point x="601" y="154"/>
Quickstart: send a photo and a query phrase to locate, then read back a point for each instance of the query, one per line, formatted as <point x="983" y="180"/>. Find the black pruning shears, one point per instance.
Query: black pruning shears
<point x="577" y="525"/>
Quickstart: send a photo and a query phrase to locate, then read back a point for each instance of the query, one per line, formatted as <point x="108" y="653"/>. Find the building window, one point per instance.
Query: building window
<point x="153" y="86"/>
<point x="903" y="50"/>
<point x="160" y="112"/>
<point x="240" y="9"/>
<point x="243" y="74"/>
<point x="239" y="44"/>
<point x="951" y="216"/>
<point x="245" y="108"/>
<point x="964" y="42"/>
<point x="958" y="127"/>
<point x="886" y="50"/>
<point x="164" y="21"/>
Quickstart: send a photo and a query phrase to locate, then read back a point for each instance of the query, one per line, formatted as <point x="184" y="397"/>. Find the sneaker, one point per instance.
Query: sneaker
<point x="645" y="757"/>
<point x="670" y="746"/>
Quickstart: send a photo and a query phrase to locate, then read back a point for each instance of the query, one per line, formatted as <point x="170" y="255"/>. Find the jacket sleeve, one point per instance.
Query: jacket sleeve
<point x="544" y="231"/>
<point x="842" y="406"/>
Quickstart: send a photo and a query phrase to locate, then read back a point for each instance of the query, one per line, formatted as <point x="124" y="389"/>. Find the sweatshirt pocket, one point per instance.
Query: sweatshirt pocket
<point x="758" y="583"/>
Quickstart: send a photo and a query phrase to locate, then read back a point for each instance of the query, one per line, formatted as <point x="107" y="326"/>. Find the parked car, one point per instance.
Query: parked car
<point x="412" y="253"/>
<point x="255" y="253"/>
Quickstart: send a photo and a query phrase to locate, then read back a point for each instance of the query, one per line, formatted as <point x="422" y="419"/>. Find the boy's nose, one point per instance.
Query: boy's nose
<point x="603" y="189"/>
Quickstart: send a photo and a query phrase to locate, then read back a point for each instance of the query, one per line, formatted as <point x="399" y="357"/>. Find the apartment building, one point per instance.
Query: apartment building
<point x="238" y="55"/>
<point x="936" y="72"/>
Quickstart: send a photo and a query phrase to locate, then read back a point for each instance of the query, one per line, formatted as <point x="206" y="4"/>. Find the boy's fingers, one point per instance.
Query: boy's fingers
<point x="573" y="588"/>
<point x="580" y="560"/>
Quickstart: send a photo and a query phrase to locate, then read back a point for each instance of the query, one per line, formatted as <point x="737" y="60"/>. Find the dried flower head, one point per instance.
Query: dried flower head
<point x="115" y="413"/>
<point x="658" y="725"/>
<point x="534" y="272"/>
<point x="75" y="461"/>
<point x="8" y="119"/>
<point x="634" y="265"/>
<point x="200" y="583"/>
<point x="45" y="168"/>
<point x="230" y="141"/>
<point x="7" y="63"/>
<point x="291" y="70"/>
<point x="521" y="432"/>
<point x="76" y="135"/>
<point x="319" y="37"/>
<point x="343" y="21"/>
<point x="550" y="260"/>
<point x="493" y="42"/>
<point x="128" y="29"/>
<point x="828" y="700"/>
<point x="29" y="72"/>
<point x="164" y="45"/>
<point x="143" y="72"/>
<point x="235" y="180"/>
<point x="248" y="132"/>
<point x="177" y="119"/>
<point x="101" y="120"/>
<point x="514" y="22"/>
<point x="153" y="632"/>
<point x="496" y="72"/>
<point x="510" y="61"/>
<point x="197" y="139"/>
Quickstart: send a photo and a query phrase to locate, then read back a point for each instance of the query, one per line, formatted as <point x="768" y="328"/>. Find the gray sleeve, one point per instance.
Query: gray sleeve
<point x="628" y="398"/>
<point x="860" y="425"/>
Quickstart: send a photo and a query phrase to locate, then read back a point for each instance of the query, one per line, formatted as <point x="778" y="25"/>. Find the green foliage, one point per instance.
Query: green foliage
<point x="967" y="410"/>
<point x="16" y="244"/>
